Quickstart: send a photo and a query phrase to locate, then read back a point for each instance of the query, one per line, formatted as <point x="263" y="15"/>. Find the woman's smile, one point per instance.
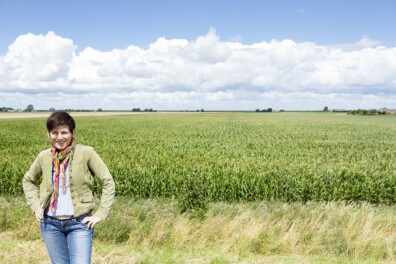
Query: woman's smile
<point x="61" y="137"/>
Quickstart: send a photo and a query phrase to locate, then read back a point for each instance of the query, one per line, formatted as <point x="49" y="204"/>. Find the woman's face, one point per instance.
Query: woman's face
<point x="61" y="137"/>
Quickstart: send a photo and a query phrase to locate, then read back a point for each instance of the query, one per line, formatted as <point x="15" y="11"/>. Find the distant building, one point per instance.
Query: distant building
<point x="387" y="110"/>
<point x="14" y="110"/>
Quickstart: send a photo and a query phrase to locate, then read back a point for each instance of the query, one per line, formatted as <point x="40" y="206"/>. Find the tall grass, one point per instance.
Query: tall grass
<point x="331" y="230"/>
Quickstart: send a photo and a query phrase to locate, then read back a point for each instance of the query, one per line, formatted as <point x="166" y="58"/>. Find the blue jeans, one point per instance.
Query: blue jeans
<point x="67" y="241"/>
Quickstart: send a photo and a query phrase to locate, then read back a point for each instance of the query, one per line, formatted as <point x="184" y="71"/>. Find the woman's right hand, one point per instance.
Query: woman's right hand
<point x="39" y="213"/>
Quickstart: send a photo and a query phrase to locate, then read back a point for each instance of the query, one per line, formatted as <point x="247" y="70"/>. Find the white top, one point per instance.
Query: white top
<point x="64" y="205"/>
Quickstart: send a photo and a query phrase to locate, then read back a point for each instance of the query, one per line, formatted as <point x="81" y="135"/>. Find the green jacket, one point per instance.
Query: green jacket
<point x="84" y="165"/>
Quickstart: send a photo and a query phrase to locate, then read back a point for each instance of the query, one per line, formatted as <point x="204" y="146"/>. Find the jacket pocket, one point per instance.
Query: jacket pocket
<point x="86" y="199"/>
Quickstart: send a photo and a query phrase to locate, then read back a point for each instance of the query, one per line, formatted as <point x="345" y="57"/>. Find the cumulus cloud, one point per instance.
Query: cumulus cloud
<point x="204" y="72"/>
<point x="37" y="62"/>
<point x="363" y="43"/>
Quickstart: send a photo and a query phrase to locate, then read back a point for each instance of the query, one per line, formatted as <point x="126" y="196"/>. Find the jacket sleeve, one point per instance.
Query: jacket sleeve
<point x="101" y="172"/>
<point x="30" y="182"/>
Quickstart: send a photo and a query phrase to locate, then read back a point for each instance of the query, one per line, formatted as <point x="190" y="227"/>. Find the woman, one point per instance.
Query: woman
<point x="64" y="203"/>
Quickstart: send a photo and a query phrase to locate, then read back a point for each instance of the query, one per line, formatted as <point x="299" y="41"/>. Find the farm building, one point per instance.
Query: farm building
<point x="387" y="110"/>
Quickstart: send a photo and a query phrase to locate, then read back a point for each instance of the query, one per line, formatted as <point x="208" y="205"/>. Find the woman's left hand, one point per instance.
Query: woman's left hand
<point x="91" y="221"/>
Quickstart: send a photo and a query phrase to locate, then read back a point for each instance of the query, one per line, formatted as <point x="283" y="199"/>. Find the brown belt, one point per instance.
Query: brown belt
<point x="62" y="217"/>
<point x="67" y="217"/>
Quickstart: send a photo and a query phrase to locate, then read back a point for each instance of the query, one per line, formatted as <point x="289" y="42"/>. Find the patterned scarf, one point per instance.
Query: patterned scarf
<point x="60" y="161"/>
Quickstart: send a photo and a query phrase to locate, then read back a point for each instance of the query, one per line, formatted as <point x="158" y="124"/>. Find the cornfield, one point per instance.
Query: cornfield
<point x="226" y="156"/>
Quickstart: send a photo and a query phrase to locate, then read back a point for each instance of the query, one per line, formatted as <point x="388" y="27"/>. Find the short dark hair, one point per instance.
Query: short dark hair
<point x="59" y="118"/>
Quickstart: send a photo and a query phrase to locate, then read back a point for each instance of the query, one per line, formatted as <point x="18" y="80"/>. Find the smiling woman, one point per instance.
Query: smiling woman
<point x="65" y="201"/>
<point x="60" y="126"/>
<point x="61" y="137"/>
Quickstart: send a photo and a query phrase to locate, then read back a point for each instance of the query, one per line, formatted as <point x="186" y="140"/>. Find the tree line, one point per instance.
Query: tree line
<point x="367" y="112"/>
<point x="264" y="110"/>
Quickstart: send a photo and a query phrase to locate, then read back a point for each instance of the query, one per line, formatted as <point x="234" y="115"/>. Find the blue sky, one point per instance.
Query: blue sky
<point x="81" y="28"/>
<point x="116" y="24"/>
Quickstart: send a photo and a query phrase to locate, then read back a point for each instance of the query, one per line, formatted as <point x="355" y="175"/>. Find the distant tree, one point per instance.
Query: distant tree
<point x="99" y="110"/>
<point x="366" y="112"/>
<point x="257" y="110"/>
<point x="269" y="110"/>
<point x="52" y="109"/>
<point x="202" y="110"/>
<point x="29" y="108"/>
<point x="373" y="111"/>
<point x="136" y="109"/>
<point x="325" y="109"/>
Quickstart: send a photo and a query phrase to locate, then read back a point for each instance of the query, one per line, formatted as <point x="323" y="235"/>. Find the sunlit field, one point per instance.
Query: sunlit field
<point x="226" y="156"/>
<point x="238" y="187"/>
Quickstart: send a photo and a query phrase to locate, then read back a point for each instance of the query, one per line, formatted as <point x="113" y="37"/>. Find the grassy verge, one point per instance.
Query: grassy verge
<point x="154" y="231"/>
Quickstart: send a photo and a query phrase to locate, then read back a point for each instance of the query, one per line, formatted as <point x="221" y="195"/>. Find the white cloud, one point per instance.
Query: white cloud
<point x="37" y="61"/>
<point x="207" y="49"/>
<point x="363" y="43"/>
<point x="206" y="72"/>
